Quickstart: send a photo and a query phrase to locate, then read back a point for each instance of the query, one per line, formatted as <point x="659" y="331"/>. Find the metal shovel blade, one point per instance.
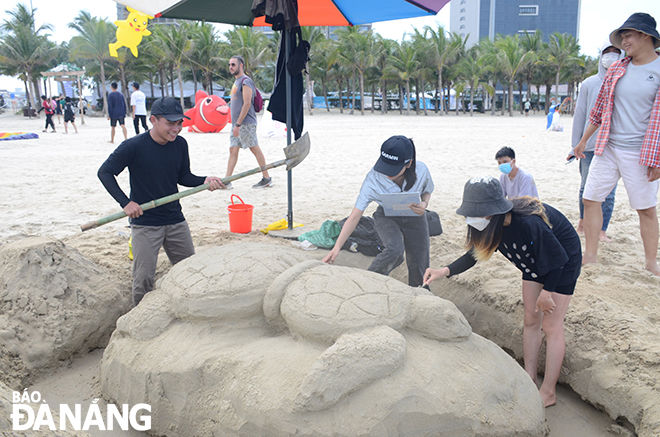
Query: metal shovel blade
<point x="297" y="151"/>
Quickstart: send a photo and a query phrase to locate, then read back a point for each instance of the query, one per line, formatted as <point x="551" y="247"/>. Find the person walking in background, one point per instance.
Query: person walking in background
<point x="543" y="245"/>
<point x="116" y="112"/>
<point x="69" y="115"/>
<point x="628" y="144"/>
<point x="527" y="106"/>
<point x="48" y="106"/>
<point x="59" y="104"/>
<point x="158" y="162"/>
<point x="585" y="102"/>
<point x="244" y="121"/>
<point x="396" y="171"/>
<point x="515" y="181"/>
<point x="139" y="107"/>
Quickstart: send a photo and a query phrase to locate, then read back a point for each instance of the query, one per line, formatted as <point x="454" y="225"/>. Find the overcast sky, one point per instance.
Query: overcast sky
<point x="597" y="19"/>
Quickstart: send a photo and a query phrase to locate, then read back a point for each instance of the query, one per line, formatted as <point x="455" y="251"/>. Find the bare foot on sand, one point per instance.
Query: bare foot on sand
<point x="112" y="142"/>
<point x="653" y="268"/>
<point x="549" y="399"/>
<point x="589" y="259"/>
<point x="604" y="238"/>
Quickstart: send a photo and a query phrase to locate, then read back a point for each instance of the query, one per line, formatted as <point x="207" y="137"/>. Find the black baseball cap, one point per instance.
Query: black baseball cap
<point x="395" y="153"/>
<point x="168" y="107"/>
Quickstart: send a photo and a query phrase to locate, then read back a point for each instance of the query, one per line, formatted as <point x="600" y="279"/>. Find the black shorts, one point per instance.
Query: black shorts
<point x="566" y="289"/>
<point x="58" y="110"/>
<point x="113" y="121"/>
<point x="71" y="118"/>
<point x="526" y="110"/>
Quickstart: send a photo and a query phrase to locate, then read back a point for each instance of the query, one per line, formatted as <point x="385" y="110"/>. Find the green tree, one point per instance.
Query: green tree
<point x="315" y="35"/>
<point x="510" y="56"/>
<point x="562" y="52"/>
<point x="25" y="50"/>
<point x="472" y="68"/>
<point x="173" y="43"/>
<point x="206" y="53"/>
<point x="357" y="50"/>
<point x="94" y="35"/>
<point x="441" y="52"/>
<point x="404" y="64"/>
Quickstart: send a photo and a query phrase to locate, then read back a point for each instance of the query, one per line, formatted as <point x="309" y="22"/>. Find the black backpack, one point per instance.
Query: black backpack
<point x="364" y="237"/>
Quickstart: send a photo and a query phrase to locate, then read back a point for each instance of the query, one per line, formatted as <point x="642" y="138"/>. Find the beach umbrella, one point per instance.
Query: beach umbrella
<point x="310" y="13"/>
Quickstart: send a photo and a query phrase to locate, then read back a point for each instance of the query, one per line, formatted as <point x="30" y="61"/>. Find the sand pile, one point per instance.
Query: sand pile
<point x="306" y="350"/>
<point x="54" y="303"/>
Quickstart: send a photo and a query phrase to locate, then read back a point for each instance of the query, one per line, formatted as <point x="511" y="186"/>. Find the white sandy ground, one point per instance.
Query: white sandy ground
<point x="49" y="187"/>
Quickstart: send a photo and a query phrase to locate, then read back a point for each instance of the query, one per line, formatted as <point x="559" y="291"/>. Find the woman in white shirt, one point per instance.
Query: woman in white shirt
<point x="397" y="170"/>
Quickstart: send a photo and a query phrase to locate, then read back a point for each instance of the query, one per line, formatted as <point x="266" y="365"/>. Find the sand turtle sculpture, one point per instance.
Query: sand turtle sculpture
<point x="363" y="316"/>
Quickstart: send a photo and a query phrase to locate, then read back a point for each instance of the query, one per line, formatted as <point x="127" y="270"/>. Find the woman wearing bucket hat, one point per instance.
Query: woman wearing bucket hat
<point x="543" y="245"/>
<point x="396" y="171"/>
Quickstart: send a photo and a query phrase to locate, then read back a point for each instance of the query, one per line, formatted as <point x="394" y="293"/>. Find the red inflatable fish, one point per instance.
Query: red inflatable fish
<point x="209" y="115"/>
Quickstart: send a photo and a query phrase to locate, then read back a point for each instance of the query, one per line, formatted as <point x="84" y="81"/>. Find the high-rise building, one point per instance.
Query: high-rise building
<point x="479" y="19"/>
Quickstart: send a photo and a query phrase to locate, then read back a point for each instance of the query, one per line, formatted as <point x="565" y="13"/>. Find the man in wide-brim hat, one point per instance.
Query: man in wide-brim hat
<point x="628" y="144"/>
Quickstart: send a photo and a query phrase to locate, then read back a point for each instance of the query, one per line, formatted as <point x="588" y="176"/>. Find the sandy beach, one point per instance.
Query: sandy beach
<point x="612" y="361"/>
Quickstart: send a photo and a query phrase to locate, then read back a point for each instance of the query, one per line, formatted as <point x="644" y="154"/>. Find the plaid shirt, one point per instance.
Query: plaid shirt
<point x="601" y="115"/>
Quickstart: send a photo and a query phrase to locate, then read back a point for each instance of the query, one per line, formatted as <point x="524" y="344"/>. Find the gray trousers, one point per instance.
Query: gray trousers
<point x="147" y="241"/>
<point x="409" y="235"/>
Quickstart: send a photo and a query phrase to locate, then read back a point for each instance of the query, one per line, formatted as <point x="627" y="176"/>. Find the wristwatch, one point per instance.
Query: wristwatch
<point x="237" y="125"/>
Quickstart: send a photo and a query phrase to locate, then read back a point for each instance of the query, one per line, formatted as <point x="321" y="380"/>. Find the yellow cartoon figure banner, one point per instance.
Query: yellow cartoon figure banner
<point x="130" y="32"/>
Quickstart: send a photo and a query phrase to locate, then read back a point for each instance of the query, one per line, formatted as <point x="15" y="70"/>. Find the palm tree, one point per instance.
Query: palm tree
<point x="94" y="35"/>
<point x="383" y="51"/>
<point x="173" y="43"/>
<point x="562" y="53"/>
<point x="24" y="50"/>
<point x="321" y="63"/>
<point x="510" y="56"/>
<point x="206" y="49"/>
<point x="472" y="69"/>
<point x="315" y="35"/>
<point x="533" y="44"/>
<point x="356" y="49"/>
<point x="441" y="52"/>
<point x="427" y="66"/>
<point x="404" y="64"/>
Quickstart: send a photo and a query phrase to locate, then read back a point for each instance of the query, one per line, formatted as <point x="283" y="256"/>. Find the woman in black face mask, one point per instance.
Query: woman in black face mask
<point x="543" y="245"/>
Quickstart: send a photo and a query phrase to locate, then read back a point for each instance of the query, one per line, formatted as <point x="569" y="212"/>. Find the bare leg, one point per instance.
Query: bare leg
<point x="648" y="227"/>
<point x="593" y="223"/>
<point x="233" y="159"/>
<point x="553" y="327"/>
<point x="73" y="123"/>
<point x="532" y="337"/>
<point x="261" y="160"/>
<point x="123" y="128"/>
<point x="66" y="131"/>
<point x="112" y="134"/>
<point x="580" y="227"/>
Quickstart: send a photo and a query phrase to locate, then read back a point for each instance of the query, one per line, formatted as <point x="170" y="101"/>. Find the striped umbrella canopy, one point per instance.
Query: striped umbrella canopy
<point x="310" y="12"/>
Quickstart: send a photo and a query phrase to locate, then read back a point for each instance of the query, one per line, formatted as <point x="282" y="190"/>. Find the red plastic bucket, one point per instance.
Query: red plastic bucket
<point x="240" y="216"/>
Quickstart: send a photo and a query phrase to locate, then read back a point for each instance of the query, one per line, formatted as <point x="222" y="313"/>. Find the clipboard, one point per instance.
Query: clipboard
<point x="398" y="204"/>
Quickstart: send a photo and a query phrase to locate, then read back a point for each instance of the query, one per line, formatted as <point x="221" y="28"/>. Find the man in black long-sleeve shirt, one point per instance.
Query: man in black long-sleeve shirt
<point x="157" y="162"/>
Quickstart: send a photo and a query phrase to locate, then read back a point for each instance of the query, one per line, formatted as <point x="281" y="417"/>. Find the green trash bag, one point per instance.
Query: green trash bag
<point x="324" y="237"/>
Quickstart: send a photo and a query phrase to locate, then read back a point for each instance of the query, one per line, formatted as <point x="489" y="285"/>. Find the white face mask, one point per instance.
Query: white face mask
<point x="608" y="59"/>
<point x="478" y="223"/>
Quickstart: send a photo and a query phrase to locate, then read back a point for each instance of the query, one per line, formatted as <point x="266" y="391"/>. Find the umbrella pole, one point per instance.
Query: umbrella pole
<point x="287" y="48"/>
